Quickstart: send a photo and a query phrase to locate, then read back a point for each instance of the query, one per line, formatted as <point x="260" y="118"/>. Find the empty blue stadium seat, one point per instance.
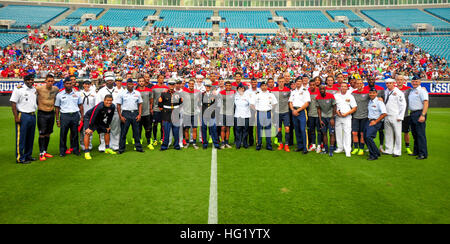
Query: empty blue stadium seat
<point x="185" y="19"/>
<point x="432" y="44"/>
<point x="247" y="20"/>
<point x="353" y="19"/>
<point x="314" y="19"/>
<point x="35" y="16"/>
<point x="403" y="19"/>
<point x="7" y="39"/>
<point x="440" y="12"/>
<point x="77" y="14"/>
<point x="123" y="18"/>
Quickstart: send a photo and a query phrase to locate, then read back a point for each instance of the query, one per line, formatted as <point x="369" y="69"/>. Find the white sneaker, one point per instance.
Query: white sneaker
<point x="187" y="146"/>
<point x="339" y="151"/>
<point x="318" y="149"/>
<point x="312" y="148"/>
<point x="195" y="146"/>
<point x="348" y="155"/>
<point x="223" y="146"/>
<point x="228" y="146"/>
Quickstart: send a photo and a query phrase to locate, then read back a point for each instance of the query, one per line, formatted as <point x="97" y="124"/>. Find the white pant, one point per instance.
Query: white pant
<point x="344" y="134"/>
<point x="392" y="135"/>
<point x="114" y="136"/>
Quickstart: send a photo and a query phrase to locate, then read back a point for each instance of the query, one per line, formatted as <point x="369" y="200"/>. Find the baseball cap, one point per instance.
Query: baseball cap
<point x="87" y="81"/>
<point x="208" y="83"/>
<point x="373" y="89"/>
<point x="171" y="82"/>
<point x="416" y="78"/>
<point x="389" y="80"/>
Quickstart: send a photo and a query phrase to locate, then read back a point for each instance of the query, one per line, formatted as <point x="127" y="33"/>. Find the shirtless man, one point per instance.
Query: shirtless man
<point x="46" y="95"/>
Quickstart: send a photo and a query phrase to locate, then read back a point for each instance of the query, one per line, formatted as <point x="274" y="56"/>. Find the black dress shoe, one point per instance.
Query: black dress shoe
<point x="269" y="148"/>
<point x="218" y="148"/>
<point x="421" y="157"/>
<point x="305" y="152"/>
<point x="258" y="148"/>
<point x="23" y="162"/>
<point x="120" y="152"/>
<point x="30" y="159"/>
<point x="395" y="156"/>
<point x="413" y="154"/>
<point x="298" y="150"/>
<point x="77" y="154"/>
<point x="140" y="150"/>
<point x="371" y="158"/>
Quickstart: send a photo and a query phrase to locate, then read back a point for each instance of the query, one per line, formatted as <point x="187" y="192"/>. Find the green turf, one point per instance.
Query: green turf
<point x="253" y="187"/>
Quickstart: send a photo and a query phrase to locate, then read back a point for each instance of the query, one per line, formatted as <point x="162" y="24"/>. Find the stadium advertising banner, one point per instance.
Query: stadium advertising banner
<point x="433" y="87"/>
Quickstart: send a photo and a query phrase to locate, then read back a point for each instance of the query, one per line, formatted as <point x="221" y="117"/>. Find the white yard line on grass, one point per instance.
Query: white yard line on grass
<point x="212" y="213"/>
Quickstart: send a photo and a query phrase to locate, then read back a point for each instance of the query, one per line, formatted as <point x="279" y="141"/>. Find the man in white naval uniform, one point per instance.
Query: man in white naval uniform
<point x="395" y="106"/>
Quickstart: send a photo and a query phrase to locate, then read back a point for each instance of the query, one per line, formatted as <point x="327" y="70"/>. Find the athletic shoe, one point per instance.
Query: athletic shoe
<point x="228" y="146"/>
<point x="68" y="151"/>
<point x="318" y="149"/>
<point x="408" y="150"/>
<point x="210" y="140"/>
<point x="184" y="142"/>
<point x="286" y="148"/>
<point x="312" y="147"/>
<point x="348" y="155"/>
<point x="110" y="151"/>
<point x="381" y="149"/>
<point x="155" y="143"/>
<point x="160" y="142"/>
<point x="361" y="152"/>
<point x="186" y="146"/>
<point x="339" y="151"/>
<point x="195" y="146"/>
<point x="150" y="146"/>
<point x="280" y="147"/>
<point x="87" y="156"/>
<point x="355" y="151"/>
<point x="47" y="155"/>
<point x="330" y="153"/>
<point x="223" y="146"/>
<point x="275" y="141"/>
<point x="42" y="158"/>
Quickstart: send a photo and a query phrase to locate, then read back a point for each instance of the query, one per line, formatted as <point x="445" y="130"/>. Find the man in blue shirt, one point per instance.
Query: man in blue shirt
<point x="377" y="112"/>
<point x="418" y="105"/>
<point x="129" y="108"/>
<point x="70" y="105"/>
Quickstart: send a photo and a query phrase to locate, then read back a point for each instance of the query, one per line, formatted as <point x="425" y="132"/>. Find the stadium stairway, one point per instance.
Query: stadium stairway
<point x="324" y="12"/>
<point x="59" y="18"/>
<point x="280" y="25"/>
<point x="368" y="20"/>
<point x="150" y="25"/>
<point x="98" y="17"/>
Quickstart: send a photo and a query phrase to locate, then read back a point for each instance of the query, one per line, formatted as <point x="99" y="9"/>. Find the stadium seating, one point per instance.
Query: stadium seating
<point x="35" y="16"/>
<point x="353" y="19"/>
<point x="432" y="44"/>
<point x="123" y="18"/>
<point x="75" y="17"/>
<point x="185" y="19"/>
<point x="77" y="14"/>
<point x="8" y="39"/>
<point x="443" y="13"/>
<point x="402" y="19"/>
<point x="247" y="20"/>
<point x="314" y="19"/>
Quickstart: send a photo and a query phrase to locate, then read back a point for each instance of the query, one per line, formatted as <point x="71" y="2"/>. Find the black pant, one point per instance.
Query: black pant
<point x="418" y="133"/>
<point x="146" y="123"/>
<point x="130" y="119"/>
<point x="241" y="132"/>
<point x="69" y="121"/>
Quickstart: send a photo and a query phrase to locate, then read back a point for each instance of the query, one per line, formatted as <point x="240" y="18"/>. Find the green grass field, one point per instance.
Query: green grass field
<point x="253" y="187"/>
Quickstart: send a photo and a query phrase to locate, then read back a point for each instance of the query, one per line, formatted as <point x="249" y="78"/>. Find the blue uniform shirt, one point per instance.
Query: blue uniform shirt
<point x="416" y="98"/>
<point x="130" y="100"/>
<point x="68" y="102"/>
<point x="376" y="108"/>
